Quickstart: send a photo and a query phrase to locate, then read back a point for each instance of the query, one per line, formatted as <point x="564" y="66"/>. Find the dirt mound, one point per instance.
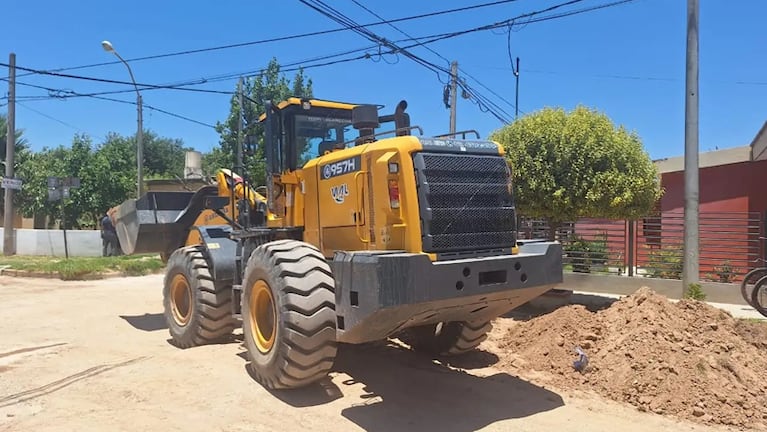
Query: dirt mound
<point x="686" y="358"/>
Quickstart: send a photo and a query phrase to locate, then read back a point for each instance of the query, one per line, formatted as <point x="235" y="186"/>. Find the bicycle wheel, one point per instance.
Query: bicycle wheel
<point x="759" y="296"/>
<point x="751" y="277"/>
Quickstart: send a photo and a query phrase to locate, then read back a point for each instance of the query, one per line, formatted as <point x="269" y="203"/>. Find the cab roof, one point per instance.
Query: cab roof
<point x="314" y="102"/>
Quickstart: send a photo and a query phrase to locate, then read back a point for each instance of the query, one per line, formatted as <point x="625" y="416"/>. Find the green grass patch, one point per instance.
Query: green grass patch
<point x="85" y="267"/>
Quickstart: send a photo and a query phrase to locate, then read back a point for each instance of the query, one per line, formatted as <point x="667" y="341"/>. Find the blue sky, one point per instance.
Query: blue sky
<point x="627" y="61"/>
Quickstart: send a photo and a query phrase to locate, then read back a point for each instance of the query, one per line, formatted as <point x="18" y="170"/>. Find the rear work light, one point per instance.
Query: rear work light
<point x="394" y="194"/>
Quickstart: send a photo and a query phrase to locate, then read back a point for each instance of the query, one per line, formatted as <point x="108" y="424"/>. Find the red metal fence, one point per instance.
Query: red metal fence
<point x="731" y="244"/>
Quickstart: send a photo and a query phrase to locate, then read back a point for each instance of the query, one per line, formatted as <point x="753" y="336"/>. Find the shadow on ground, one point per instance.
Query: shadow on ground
<point x="146" y="322"/>
<point x="402" y="390"/>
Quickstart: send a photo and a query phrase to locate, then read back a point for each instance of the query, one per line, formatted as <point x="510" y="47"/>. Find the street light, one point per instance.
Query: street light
<point x="140" y="133"/>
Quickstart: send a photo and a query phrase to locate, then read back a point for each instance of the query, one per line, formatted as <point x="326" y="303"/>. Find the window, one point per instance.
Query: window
<point x="313" y="134"/>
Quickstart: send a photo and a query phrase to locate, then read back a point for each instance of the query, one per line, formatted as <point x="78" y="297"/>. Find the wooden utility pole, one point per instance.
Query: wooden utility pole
<point x="690" y="272"/>
<point x="9" y="231"/>
<point x="453" y="94"/>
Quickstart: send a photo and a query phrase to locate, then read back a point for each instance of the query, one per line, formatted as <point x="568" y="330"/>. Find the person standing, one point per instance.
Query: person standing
<point x="109" y="240"/>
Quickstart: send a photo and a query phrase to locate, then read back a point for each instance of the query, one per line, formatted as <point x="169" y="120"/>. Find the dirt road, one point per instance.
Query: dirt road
<point x="94" y="356"/>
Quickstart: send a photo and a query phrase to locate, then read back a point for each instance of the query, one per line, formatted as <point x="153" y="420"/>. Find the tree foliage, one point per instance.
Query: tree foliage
<point x="270" y="84"/>
<point x="107" y="174"/>
<point x="568" y="165"/>
<point x="22" y="146"/>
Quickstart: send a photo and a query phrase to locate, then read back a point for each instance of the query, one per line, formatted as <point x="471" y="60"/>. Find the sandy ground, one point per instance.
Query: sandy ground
<point x="94" y="356"/>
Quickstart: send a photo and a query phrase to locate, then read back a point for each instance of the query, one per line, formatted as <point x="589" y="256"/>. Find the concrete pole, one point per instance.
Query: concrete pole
<point x="9" y="231"/>
<point x="453" y="94"/>
<point x="140" y="146"/>
<point x="691" y="184"/>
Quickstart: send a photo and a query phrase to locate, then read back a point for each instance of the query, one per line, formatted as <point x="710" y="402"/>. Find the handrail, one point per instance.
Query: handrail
<point x="409" y="128"/>
<point x="358" y="208"/>
<point x="463" y="132"/>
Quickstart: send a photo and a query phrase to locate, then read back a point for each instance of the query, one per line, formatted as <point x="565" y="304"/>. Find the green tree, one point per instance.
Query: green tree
<point x="33" y="197"/>
<point x="21" y="153"/>
<point x="22" y="146"/>
<point x="163" y="157"/>
<point x="568" y="165"/>
<point x="270" y="84"/>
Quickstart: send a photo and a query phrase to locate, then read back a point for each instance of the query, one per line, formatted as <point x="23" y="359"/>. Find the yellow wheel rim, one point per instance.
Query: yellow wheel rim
<point x="180" y="299"/>
<point x="263" y="316"/>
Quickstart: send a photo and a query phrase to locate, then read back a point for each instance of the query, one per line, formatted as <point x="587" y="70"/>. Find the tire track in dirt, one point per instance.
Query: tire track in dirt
<point x="62" y="383"/>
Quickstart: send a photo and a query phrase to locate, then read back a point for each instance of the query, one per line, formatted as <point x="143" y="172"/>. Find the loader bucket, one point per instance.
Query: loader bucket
<point x="151" y="224"/>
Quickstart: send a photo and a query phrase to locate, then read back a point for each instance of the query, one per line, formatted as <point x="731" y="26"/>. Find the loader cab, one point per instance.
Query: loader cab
<point x="297" y="131"/>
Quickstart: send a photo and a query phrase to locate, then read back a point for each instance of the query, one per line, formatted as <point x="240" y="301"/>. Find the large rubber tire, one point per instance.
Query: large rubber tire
<point x="197" y="310"/>
<point x="288" y="314"/>
<point x="447" y="339"/>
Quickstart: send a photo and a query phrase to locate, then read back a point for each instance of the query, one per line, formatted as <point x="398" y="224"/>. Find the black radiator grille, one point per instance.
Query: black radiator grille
<point x="464" y="201"/>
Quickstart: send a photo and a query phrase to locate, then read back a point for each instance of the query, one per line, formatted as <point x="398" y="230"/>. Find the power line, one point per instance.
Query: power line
<point x="351" y="25"/>
<point x="204" y="80"/>
<point x="71" y="93"/>
<point x="48" y="116"/>
<point x="463" y="86"/>
<point x="290" y="37"/>
<point x="111" y="81"/>
<point x="153" y="108"/>
<point x="513" y="21"/>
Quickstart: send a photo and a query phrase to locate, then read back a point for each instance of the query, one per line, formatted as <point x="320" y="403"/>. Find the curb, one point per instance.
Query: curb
<point x="48" y="275"/>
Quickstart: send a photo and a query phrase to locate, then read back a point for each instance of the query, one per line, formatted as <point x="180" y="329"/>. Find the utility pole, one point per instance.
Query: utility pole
<point x="453" y="94"/>
<point x="140" y="146"/>
<point x="9" y="231"/>
<point x="516" y="97"/>
<point x="691" y="193"/>
<point x="238" y="163"/>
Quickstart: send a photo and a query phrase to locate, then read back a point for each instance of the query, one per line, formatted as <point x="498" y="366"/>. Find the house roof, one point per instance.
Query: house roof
<point x="755" y="151"/>
<point x="706" y="159"/>
<point x="759" y="144"/>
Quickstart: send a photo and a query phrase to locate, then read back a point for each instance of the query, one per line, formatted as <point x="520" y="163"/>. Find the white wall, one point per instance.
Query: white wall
<point x="51" y="242"/>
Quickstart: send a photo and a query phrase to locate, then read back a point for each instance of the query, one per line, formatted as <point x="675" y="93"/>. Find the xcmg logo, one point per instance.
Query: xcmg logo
<point x="341" y="167"/>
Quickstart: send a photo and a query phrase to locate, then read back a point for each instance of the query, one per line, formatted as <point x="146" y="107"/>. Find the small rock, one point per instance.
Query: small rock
<point x="687" y="349"/>
<point x="700" y="404"/>
<point x="677" y="336"/>
<point x="698" y="412"/>
<point x="545" y="352"/>
<point x="592" y="337"/>
<point x="713" y="325"/>
<point x="712" y="362"/>
<point x="560" y="341"/>
<point x="586" y="344"/>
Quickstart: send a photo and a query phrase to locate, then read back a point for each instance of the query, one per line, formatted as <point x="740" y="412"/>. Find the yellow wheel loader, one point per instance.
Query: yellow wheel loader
<point x="362" y="232"/>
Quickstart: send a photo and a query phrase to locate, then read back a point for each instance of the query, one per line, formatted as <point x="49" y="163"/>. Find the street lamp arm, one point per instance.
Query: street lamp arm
<point x="130" y="71"/>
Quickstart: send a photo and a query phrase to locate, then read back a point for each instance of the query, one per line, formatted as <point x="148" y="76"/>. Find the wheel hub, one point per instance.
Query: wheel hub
<point x="263" y="316"/>
<point x="180" y="299"/>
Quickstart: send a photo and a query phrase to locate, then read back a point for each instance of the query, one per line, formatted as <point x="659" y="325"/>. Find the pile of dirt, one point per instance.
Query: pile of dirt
<point x="686" y="358"/>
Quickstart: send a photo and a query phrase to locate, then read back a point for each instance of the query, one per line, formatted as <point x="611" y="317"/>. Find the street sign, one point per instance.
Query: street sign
<point x="59" y="187"/>
<point x="54" y="195"/>
<point x="11" y="183"/>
